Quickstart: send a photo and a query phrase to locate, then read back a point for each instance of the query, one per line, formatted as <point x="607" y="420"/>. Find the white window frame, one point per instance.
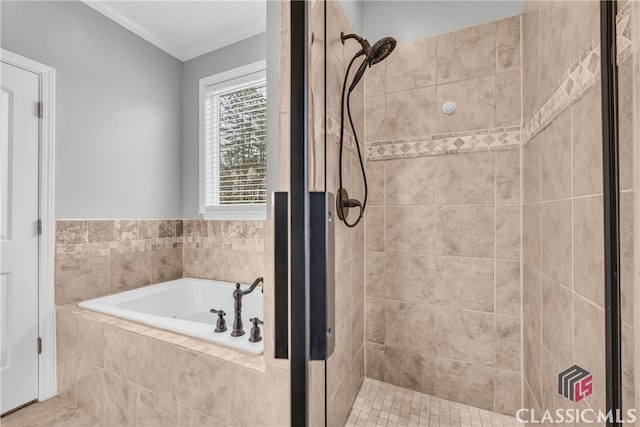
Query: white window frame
<point x="225" y="212"/>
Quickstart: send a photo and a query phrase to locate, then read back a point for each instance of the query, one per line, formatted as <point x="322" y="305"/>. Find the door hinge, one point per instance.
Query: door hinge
<point x="39" y="227"/>
<point x="40" y="110"/>
<point x="39" y="345"/>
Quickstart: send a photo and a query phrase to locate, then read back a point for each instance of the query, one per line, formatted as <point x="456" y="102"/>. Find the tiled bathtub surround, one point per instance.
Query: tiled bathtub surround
<point x="124" y="373"/>
<point x="563" y="290"/>
<point x="102" y="257"/>
<point x="443" y="277"/>
<point x="477" y="68"/>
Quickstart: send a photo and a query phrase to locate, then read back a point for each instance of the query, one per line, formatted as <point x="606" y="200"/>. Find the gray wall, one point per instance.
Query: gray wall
<point x="118" y="128"/>
<point x="413" y="20"/>
<point x="236" y="55"/>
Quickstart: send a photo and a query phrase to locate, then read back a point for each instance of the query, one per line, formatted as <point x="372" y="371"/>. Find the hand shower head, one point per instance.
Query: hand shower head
<point x="373" y="54"/>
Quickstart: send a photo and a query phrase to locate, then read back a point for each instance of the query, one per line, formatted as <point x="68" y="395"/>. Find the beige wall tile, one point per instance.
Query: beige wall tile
<point x="195" y="388"/>
<point x="409" y="369"/>
<point x="375" y="313"/>
<point x="121" y="352"/>
<point x="101" y="231"/>
<point x="166" y="264"/>
<point x="476" y="104"/>
<point x="556" y="246"/>
<point x="410" y="181"/>
<point x="531" y="172"/>
<point x="357" y="279"/>
<point x="532" y="301"/>
<point x="343" y="291"/>
<point x="66" y="377"/>
<point x="465" y="383"/>
<point x="507" y="392"/>
<point x="585" y="29"/>
<point x="71" y="232"/>
<point x="626" y="122"/>
<point x="375" y="274"/>
<point x="412" y="65"/>
<point x="375" y="112"/>
<point x="271" y="408"/>
<point x="508" y="99"/>
<point x="357" y="330"/>
<point x="189" y="418"/>
<point x="508" y="177"/>
<point x="81" y="279"/>
<point x="464" y="283"/>
<point x="148" y="229"/>
<point x="588" y="255"/>
<point x="408" y="113"/>
<point x="465" y="335"/>
<point x="340" y="404"/>
<point x="155" y="410"/>
<point x="167" y="228"/>
<point x="627" y="257"/>
<point x="91" y="389"/>
<point x="374" y="361"/>
<point x="126" y="229"/>
<point x="129" y="271"/>
<point x="508" y="41"/>
<point x="551" y="399"/>
<point x="410" y="278"/>
<point x="121" y="399"/>
<point x="532" y="363"/>
<point x="161" y="376"/>
<point x="557" y="321"/>
<point x="414" y="329"/>
<point x="466" y="178"/>
<point x="587" y="144"/>
<point x="65" y="333"/>
<point x="555" y="44"/>
<point x="90" y="341"/>
<point x="555" y="182"/>
<point x="375" y="181"/>
<point x="588" y="340"/>
<point x="508" y="232"/>
<point x="508" y="287"/>
<point x="374" y="224"/>
<point x="467" y="53"/>
<point x="530" y="61"/>
<point x="409" y="229"/>
<point x="465" y="230"/>
<point x="531" y="249"/>
<point x="629" y="364"/>
<point x="507" y="342"/>
<point x="375" y="80"/>
<point x="340" y="361"/>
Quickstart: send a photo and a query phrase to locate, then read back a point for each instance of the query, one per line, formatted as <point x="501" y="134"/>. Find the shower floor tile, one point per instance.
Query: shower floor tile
<point x="52" y="412"/>
<point x="383" y="404"/>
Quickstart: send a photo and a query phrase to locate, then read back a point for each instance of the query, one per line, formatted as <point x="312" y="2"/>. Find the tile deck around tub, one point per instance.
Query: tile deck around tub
<point x="383" y="404"/>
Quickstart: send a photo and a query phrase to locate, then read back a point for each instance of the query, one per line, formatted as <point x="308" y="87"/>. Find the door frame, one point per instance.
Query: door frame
<point x="47" y="381"/>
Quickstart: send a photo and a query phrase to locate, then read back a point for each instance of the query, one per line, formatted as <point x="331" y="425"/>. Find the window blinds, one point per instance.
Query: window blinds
<point x="235" y="131"/>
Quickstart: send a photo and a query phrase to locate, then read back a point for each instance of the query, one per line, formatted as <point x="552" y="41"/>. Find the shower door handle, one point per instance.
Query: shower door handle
<point x="281" y="273"/>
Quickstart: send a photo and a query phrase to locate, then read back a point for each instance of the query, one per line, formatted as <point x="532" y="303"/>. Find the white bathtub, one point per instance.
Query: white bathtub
<point x="183" y="306"/>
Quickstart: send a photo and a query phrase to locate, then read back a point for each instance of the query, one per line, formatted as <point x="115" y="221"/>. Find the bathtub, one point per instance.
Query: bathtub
<point x="183" y="306"/>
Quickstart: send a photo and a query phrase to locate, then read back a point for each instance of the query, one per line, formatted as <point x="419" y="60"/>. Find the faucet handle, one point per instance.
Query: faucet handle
<point x="221" y="324"/>
<point x="255" y="336"/>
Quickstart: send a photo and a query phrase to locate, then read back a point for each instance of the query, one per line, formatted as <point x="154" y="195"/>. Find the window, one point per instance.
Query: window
<point x="233" y="144"/>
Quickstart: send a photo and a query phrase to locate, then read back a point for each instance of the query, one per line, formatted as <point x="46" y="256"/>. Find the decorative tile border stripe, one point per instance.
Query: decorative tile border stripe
<point x="623" y="31"/>
<point x="581" y="76"/>
<point x="91" y="250"/>
<point x="433" y="145"/>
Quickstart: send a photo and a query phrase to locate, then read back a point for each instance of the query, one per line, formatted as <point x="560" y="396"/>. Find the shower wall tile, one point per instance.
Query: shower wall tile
<point x="587" y="144"/>
<point x="412" y="66"/>
<point x="508" y="99"/>
<point x="468" y="53"/>
<point x="407" y="112"/>
<point x="465" y="382"/>
<point x="508" y="232"/>
<point x="530" y="59"/>
<point x="466" y="230"/>
<point x="507" y="392"/>
<point x="508" y="42"/>
<point x="408" y="182"/>
<point x="374" y="361"/>
<point x="588" y="253"/>
<point x="418" y="324"/>
<point x="465" y="335"/>
<point x="466" y="283"/>
<point x="374" y="223"/>
<point x="555" y="151"/>
<point x="508" y="177"/>
<point x="466" y="179"/>
<point x="555" y="237"/>
<point x="508" y="287"/>
<point x="476" y="105"/>
<point x="409" y="369"/>
<point x="410" y="229"/>
<point x="409" y="277"/>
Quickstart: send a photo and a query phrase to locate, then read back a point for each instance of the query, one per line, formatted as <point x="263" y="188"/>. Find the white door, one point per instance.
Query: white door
<point x="19" y="235"/>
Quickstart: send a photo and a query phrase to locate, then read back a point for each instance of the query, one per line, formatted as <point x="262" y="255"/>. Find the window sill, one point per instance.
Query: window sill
<point x="236" y="215"/>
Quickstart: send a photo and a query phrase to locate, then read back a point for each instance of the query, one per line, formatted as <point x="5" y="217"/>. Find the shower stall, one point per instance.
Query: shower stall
<point x="470" y="268"/>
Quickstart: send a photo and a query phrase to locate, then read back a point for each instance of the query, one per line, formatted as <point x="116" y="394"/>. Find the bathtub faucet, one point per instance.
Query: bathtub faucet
<point x="237" y="306"/>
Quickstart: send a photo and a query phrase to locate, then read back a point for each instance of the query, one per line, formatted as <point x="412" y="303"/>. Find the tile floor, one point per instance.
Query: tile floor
<point x="382" y="404"/>
<point x="53" y="412"/>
